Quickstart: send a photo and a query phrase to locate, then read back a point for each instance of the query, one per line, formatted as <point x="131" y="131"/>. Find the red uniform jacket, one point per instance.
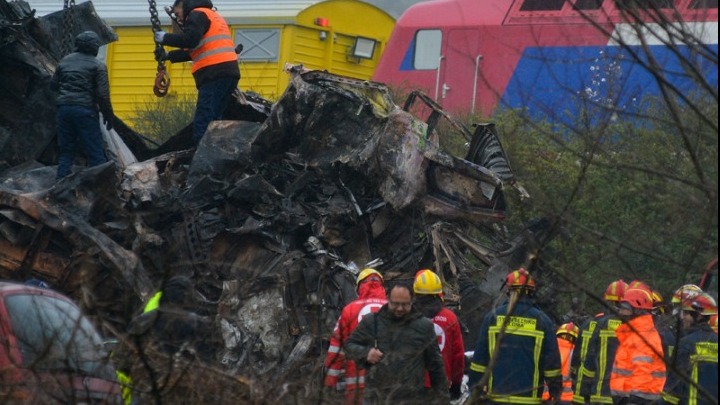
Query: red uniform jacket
<point x="449" y="334"/>
<point x="372" y="297"/>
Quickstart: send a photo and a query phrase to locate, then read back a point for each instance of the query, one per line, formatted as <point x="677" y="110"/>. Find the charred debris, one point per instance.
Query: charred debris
<point x="271" y="216"/>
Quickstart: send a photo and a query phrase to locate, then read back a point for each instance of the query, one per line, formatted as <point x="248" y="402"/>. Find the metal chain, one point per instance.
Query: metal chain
<point x="162" y="79"/>
<point x="68" y="25"/>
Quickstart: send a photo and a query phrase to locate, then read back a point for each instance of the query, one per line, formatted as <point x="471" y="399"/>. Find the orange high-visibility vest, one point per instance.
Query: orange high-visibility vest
<point x="216" y="46"/>
<point x="566" y="348"/>
<point x="639" y="367"/>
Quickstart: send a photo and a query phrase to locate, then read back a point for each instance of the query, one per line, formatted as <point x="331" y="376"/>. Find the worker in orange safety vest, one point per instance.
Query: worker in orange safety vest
<point x="567" y="334"/>
<point x="639" y="372"/>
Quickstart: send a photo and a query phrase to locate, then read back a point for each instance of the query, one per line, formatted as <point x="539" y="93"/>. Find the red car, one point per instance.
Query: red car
<point x="49" y="352"/>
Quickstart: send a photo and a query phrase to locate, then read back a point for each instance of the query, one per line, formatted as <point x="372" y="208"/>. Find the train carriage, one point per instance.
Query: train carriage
<point x="554" y="58"/>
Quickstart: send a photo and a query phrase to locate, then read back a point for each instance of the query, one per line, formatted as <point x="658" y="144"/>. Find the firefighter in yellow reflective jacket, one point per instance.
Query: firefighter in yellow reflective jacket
<point x="579" y="354"/>
<point x="601" y="349"/>
<point x="517" y="347"/>
<point x="697" y="357"/>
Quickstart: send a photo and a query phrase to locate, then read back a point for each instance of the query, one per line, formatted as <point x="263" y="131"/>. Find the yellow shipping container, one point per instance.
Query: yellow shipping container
<point x="345" y="37"/>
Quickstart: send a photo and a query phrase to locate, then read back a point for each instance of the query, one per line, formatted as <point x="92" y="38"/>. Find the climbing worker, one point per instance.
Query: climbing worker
<point x="638" y="370"/>
<point x="371" y="296"/>
<point x="567" y="335"/>
<point x="601" y="349"/>
<point x="697" y="357"/>
<point x="207" y="41"/>
<point x="516" y="353"/>
<point x="429" y="300"/>
<point x="82" y="85"/>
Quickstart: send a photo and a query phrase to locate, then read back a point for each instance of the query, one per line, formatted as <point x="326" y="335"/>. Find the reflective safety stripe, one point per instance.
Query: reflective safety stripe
<point x="477" y="367"/>
<point x="601" y="374"/>
<point x="333" y="372"/>
<point x="658" y="374"/>
<point x="705" y="355"/>
<point x="520" y="327"/>
<point x="642" y="359"/>
<point x="217" y="44"/>
<point x="601" y="399"/>
<point x="552" y="373"/>
<point x="153" y="303"/>
<point x="125" y="386"/>
<point x="622" y="371"/>
<point x="355" y="380"/>
<point x="333" y="349"/>
<point x="582" y="372"/>
<point x="670" y="399"/>
<point x="512" y="399"/>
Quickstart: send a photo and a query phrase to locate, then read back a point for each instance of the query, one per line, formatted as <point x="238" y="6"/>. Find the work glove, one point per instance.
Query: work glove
<point x="455" y="391"/>
<point x="159" y="36"/>
<point x="160" y="54"/>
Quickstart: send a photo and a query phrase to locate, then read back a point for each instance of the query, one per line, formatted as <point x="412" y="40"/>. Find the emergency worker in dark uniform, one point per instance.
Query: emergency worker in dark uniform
<point x="207" y="41"/>
<point x="697" y="357"/>
<point x="527" y="357"/>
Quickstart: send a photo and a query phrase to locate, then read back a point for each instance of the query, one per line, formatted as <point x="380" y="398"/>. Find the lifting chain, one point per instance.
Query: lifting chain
<point x="68" y="25"/>
<point x="162" y="79"/>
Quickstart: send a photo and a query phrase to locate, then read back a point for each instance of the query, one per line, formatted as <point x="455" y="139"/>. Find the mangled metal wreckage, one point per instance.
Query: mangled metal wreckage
<point x="271" y="217"/>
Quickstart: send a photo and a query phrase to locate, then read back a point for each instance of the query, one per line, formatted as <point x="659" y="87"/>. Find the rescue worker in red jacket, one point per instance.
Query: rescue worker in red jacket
<point x="697" y="356"/>
<point x="428" y="299"/>
<point x="567" y="335"/>
<point x="516" y="346"/>
<point x="639" y="372"/>
<point x="601" y="350"/>
<point x="207" y="41"/>
<point x="371" y="296"/>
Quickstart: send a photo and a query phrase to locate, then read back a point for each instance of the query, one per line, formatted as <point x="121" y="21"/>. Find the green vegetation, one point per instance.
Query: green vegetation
<point x="161" y="118"/>
<point x="636" y="201"/>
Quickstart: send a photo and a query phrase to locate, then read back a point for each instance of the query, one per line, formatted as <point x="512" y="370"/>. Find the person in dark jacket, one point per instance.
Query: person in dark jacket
<point x="521" y="354"/>
<point x="697" y="357"/>
<point x="397" y="345"/>
<point x="82" y="84"/>
<point x="207" y="41"/>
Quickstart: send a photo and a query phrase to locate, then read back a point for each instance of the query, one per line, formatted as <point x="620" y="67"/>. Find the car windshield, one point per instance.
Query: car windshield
<point x="53" y="335"/>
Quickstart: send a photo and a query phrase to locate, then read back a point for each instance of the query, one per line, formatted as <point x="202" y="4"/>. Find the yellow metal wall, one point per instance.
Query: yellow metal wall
<point x="132" y="68"/>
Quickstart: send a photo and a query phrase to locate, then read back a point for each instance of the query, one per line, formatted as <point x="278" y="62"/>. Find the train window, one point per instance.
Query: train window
<point x="427" y="49"/>
<point x="259" y="44"/>
<point x="703" y="4"/>
<point x="587" y="4"/>
<point x="643" y="4"/>
<point x="542" y="5"/>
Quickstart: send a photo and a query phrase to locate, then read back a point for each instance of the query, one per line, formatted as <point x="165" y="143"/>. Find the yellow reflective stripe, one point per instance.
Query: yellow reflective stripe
<point x="552" y="373"/>
<point x="601" y="399"/>
<point x="706" y="357"/>
<point x="477" y="367"/>
<point x="671" y="399"/>
<point x="125" y="386"/>
<point x="537" y="334"/>
<point x="513" y="399"/>
<point x="153" y="303"/>
<point x="601" y="372"/>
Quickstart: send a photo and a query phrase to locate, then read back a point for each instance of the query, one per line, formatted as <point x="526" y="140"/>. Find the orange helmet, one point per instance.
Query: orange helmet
<point x="713" y="323"/>
<point x="638" y="298"/>
<point x="615" y="291"/>
<point x="703" y="304"/>
<point x="639" y="284"/>
<point x="568" y="329"/>
<point x="520" y="279"/>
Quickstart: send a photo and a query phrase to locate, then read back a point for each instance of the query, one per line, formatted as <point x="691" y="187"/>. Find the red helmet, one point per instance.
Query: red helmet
<point x="703" y="304"/>
<point x="520" y="279"/>
<point x="685" y="292"/>
<point x="615" y="291"/>
<point x="638" y="298"/>
<point x="639" y="284"/>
